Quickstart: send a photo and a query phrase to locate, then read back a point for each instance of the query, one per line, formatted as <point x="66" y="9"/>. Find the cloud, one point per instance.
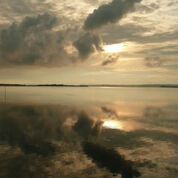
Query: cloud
<point x="147" y="9"/>
<point x="105" y="14"/>
<point x="92" y="2"/>
<point x="111" y="60"/>
<point x="33" y="41"/>
<point x="154" y="61"/>
<point x="126" y="32"/>
<point x="109" y="13"/>
<point x="87" y="44"/>
<point x="16" y="10"/>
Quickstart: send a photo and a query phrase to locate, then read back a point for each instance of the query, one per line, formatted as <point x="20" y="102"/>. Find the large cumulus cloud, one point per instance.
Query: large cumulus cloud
<point x="33" y="41"/>
<point x="87" y="44"/>
<point x="105" y="14"/>
<point x="109" y="13"/>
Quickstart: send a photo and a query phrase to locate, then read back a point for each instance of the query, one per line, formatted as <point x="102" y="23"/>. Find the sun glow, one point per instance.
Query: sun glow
<point x="113" y="48"/>
<point x="112" y="124"/>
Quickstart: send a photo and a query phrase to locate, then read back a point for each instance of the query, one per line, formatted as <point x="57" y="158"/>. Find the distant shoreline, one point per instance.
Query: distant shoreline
<point x="94" y="85"/>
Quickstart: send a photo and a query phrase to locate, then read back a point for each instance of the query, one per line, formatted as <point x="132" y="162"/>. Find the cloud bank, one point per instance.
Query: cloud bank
<point x="87" y="44"/>
<point x="105" y="14"/>
<point x="109" y="13"/>
<point x="33" y="41"/>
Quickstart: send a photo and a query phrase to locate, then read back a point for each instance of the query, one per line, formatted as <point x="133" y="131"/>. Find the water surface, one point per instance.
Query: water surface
<point x="42" y="130"/>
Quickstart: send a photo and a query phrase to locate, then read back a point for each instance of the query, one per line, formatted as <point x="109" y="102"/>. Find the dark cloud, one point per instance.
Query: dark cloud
<point x="33" y="41"/>
<point x="111" y="160"/>
<point x="111" y="60"/>
<point x="109" y="13"/>
<point x="105" y="14"/>
<point x="87" y="44"/>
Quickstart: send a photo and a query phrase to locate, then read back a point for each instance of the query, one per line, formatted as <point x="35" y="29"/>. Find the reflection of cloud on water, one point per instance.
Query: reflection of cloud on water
<point x="165" y="117"/>
<point x="31" y="128"/>
<point x="15" y="164"/>
<point x="47" y="149"/>
<point x="68" y="164"/>
<point x="147" y="153"/>
<point x="155" y="159"/>
<point x="154" y="151"/>
<point x="54" y="134"/>
<point x="110" y="112"/>
<point x="113" y="119"/>
<point x="110" y="159"/>
<point x="133" y="139"/>
<point x="38" y="130"/>
<point x="86" y="126"/>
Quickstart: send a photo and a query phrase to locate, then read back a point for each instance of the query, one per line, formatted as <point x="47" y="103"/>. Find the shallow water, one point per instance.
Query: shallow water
<point x="42" y="128"/>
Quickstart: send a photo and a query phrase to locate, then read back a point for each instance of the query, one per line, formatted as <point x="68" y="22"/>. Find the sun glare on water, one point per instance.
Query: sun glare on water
<point x="112" y="124"/>
<point x="113" y="48"/>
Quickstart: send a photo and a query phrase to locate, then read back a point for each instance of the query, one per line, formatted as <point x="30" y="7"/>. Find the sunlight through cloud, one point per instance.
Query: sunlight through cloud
<point x="113" y="48"/>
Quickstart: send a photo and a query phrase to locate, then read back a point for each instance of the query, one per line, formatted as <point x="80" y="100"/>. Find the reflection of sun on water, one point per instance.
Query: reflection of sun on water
<point x="113" y="48"/>
<point x="112" y="124"/>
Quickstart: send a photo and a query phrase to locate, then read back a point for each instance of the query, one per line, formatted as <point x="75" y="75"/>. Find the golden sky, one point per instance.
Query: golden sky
<point x="89" y="41"/>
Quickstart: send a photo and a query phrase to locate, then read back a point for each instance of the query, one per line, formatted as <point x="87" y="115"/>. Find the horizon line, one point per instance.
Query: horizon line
<point x="90" y="85"/>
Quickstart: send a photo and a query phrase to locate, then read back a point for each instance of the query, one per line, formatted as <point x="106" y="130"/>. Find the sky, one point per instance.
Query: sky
<point x="89" y="41"/>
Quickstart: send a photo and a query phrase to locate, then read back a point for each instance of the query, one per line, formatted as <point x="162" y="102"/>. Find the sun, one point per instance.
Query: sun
<point x="113" y="48"/>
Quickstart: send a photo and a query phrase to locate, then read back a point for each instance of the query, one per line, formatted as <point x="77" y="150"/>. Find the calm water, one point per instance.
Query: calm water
<point x="42" y="131"/>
